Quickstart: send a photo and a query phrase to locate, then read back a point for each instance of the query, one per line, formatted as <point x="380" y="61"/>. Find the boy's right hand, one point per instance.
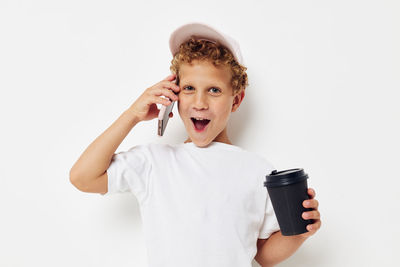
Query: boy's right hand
<point x="145" y="107"/>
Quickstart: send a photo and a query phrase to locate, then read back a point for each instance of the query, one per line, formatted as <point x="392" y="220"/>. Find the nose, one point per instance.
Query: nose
<point x="200" y="102"/>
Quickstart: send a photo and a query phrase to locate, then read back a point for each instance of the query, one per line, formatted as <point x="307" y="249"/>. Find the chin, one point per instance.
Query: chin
<point x="201" y="143"/>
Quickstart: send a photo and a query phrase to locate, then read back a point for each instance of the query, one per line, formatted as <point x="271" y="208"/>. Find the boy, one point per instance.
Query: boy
<point x="202" y="202"/>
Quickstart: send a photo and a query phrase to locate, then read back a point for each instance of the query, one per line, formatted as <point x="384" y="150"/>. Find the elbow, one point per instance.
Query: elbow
<point x="81" y="182"/>
<point x="75" y="180"/>
<point x="262" y="262"/>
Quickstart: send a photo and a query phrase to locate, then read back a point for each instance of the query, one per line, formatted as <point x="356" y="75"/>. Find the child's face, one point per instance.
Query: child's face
<point x="206" y="92"/>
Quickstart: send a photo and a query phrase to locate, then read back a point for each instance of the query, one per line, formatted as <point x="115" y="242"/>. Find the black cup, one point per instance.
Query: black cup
<point x="287" y="190"/>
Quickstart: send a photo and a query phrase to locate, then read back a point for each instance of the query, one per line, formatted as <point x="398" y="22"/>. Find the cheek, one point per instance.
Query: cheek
<point x="182" y="107"/>
<point x="183" y="103"/>
<point x="224" y="111"/>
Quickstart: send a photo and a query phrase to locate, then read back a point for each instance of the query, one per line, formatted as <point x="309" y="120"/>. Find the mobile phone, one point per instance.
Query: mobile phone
<point x="163" y="116"/>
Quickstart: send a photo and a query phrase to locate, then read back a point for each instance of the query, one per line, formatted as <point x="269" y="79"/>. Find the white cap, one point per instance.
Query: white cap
<point x="203" y="32"/>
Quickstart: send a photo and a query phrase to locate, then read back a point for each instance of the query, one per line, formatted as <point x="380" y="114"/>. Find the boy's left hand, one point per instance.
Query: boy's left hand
<point x="311" y="215"/>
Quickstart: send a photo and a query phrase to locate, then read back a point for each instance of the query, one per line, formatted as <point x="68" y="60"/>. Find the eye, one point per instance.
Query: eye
<point x="188" y="87"/>
<point x="216" y="90"/>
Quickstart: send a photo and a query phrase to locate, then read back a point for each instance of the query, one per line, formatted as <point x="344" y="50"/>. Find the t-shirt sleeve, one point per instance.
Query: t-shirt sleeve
<point x="270" y="223"/>
<point x="129" y="171"/>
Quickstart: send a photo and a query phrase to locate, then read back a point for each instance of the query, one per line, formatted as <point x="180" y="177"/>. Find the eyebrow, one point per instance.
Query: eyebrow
<point x="208" y="86"/>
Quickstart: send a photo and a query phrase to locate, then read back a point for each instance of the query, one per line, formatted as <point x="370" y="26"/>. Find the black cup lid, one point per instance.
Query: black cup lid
<point x="286" y="177"/>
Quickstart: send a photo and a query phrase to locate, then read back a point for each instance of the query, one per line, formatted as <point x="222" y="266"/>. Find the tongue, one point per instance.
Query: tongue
<point x="200" y="124"/>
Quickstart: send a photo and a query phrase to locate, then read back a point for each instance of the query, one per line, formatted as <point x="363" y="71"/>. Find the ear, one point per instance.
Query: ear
<point x="238" y="98"/>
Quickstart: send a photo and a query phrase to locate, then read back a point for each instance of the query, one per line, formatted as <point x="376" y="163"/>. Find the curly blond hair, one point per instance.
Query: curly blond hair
<point x="195" y="49"/>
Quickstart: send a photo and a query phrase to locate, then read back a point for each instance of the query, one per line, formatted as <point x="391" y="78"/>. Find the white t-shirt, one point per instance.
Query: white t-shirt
<point x="200" y="206"/>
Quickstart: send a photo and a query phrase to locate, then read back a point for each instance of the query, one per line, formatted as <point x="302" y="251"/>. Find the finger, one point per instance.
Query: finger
<point x="161" y="100"/>
<point x="172" y="86"/>
<point x="166" y="93"/>
<point x="311" y="192"/>
<point x="314" y="227"/>
<point x="311" y="215"/>
<point x="311" y="203"/>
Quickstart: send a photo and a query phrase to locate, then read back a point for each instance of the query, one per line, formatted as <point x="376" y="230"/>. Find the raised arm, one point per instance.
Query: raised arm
<point x="89" y="173"/>
<point x="95" y="160"/>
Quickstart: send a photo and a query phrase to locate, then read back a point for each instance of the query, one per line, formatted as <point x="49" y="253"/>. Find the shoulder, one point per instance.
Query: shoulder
<point x="150" y="147"/>
<point x="153" y="150"/>
<point x="146" y="152"/>
<point x="259" y="160"/>
<point x="159" y="147"/>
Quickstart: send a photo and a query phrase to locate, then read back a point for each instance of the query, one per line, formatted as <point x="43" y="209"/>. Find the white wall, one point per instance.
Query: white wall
<point x="323" y="95"/>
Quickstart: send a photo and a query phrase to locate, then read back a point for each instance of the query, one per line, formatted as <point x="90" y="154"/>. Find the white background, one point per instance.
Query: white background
<point x="323" y="95"/>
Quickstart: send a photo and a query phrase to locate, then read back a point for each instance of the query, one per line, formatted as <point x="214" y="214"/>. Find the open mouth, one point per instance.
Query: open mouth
<point x="200" y="125"/>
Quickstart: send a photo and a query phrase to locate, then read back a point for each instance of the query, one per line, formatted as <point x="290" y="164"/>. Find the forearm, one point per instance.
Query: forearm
<point x="95" y="160"/>
<point x="277" y="248"/>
